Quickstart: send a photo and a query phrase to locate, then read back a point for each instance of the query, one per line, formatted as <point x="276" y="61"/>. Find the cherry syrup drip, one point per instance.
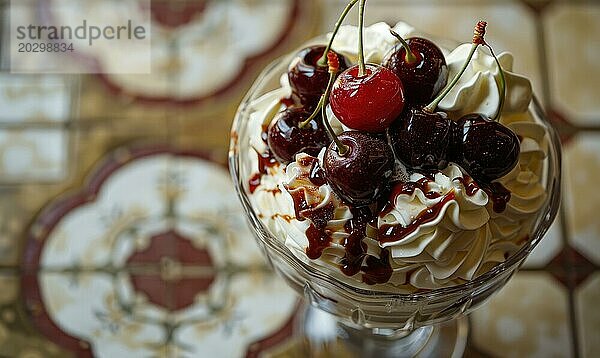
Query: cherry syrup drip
<point x="300" y="203"/>
<point x="377" y="270"/>
<point x="409" y="188"/>
<point x="317" y="175"/>
<point x="254" y="182"/>
<point x="317" y="234"/>
<point x="266" y="160"/>
<point x="355" y="258"/>
<point x="388" y="233"/>
<point x="353" y="244"/>
<point x="499" y="195"/>
<point x="287" y="101"/>
<point x="471" y="187"/>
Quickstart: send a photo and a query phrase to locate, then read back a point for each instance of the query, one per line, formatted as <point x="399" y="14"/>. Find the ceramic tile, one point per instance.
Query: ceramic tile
<point x="570" y="267"/>
<point x="527" y="318"/>
<point x="135" y="264"/>
<point x="12" y="223"/>
<point x="502" y="17"/>
<point x="581" y="170"/>
<point x="547" y="249"/>
<point x="574" y="59"/>
<point x="16" y="339"/>
<point x="203" y="63"/>
<point x="159" y="263"/>
<point x="100" y="103"/>
<point x="33" y="155"/>
<point x="202" y="50"/>
<point x="197" y="132"/>
<point x="588" y="316"/>
<point x="94" y="139"/>
<point x="35" y="98"/>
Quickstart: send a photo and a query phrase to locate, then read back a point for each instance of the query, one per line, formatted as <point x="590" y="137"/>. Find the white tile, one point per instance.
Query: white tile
<point x="588" y="316"/>
<point x="574" y="59"/>
<point x="547" y="249"/>
<point x="32" y="155"/>
<point x="581" y="170"/>
<point x="527" y="318"/>
<point x="34" y="98"/>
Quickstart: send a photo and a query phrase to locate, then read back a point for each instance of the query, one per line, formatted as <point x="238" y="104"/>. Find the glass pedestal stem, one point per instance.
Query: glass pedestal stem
<point x="325" y="335"/>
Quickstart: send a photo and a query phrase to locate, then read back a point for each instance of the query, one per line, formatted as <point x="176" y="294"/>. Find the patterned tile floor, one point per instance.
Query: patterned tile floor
<point x="104" y="253"/>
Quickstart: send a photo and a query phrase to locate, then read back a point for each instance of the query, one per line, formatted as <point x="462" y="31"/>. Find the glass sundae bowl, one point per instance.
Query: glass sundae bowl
<point x="365" y="322"/>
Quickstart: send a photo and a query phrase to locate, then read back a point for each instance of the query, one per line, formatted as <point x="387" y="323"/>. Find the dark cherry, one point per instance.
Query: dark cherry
<point x="370" y="102"/>
<point x="421" y="139"/>
<point x="486" y="149"/>
<point x="285" y="138"/>
<point x="307" y="79"/>
<point x="425" y="76"/>
<point x="362" y="173"/>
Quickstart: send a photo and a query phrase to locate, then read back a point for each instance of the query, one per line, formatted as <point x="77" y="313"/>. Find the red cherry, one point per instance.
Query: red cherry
<point x="370" y="102"/>
<point x="423" y="78"/>
<point x="487" y="150"/>
<point x="307" y="79"/>
<point x="285" y="137"/>
<point x="362" y="173"/>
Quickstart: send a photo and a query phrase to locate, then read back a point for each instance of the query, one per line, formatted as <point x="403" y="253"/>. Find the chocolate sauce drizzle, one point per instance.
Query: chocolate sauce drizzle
<point x="356" y="260"/>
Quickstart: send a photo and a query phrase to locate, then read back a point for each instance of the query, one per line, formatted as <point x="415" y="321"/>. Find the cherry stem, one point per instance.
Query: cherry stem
<point x="409" y="57"/>
<point x="501" y="85"/>
<point x="342" y="148"/>
<point x="361" y="54"/>
<point x="477" y="40"/>
<point x="271" y="114"/>
<point x="323" y="60"/>
<point x="334" y="66"/>
<point x="315" y="112"/>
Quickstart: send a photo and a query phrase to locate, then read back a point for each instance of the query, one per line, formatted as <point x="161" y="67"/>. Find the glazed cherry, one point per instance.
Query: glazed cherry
<point x="362" y="173"/>
<point x="307" y="79"/>
<point x="421" y="139"/>
<point x="285" y="138"/>
<point x="486" y="149"/>
<point x="423" y="72"/>
<point x="370" y="102"/>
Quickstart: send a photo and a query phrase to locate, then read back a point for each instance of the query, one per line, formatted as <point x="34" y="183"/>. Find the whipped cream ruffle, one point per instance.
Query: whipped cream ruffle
<point x="477" y="89"/>
<point x="525" y="182"/>
<point x="452" y="245"/>
<point x="378" y="40"/>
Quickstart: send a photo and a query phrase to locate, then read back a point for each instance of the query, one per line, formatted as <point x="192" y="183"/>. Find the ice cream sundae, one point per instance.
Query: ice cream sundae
<point x="394" y="163"/>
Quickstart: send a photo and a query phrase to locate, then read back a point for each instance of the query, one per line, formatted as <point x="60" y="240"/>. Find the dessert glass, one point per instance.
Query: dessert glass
<point x="342" y="319"/>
